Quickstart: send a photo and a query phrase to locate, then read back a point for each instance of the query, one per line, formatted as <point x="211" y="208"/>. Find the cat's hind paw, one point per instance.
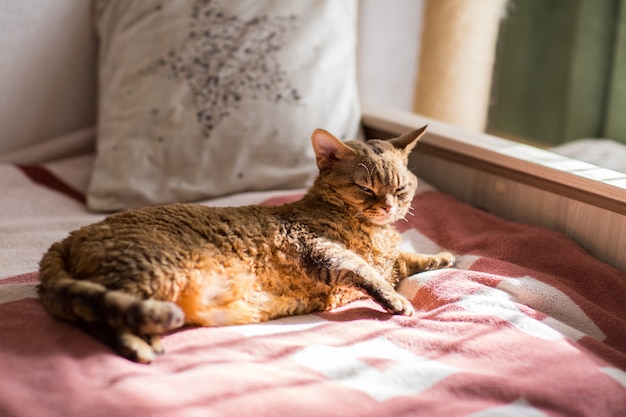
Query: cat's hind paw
<point x="140" y="349"/>
<point x="135" y="348"/>
<point x="155" y="343"/>
<point x="149" y="317"/>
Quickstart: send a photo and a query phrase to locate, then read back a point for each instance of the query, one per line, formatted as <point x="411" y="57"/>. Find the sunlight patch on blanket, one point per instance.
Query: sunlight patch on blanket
<point x="519" y="408"/>
<point x="414" y="241"/>
<point x="497" y="303"/>
<point x="551" y="301"/>
<point x="279" y="326"/>
<point x="409" y="286"/>
<point x="616" y="374"/>
<point x="407" y="375"/>
<point x="564" y="329"/>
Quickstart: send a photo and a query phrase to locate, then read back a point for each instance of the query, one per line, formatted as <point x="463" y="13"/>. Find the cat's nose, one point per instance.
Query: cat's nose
<point x="388" y="204"/>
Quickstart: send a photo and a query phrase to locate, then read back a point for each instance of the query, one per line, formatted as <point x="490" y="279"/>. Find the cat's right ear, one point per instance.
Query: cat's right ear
<point x="407" y="142"/>
<point x="328" y="149"/>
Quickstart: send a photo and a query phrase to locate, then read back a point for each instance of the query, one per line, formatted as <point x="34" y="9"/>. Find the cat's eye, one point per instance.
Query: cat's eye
<point x="366" y="190"/>
<point x="400" y="190"/>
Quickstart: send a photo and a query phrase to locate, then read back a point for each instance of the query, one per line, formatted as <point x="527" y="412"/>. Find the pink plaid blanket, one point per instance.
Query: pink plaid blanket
<point x="527" y="324"/>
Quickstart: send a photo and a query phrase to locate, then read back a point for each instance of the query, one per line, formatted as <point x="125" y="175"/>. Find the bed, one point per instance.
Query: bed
<point x="528" y="323"/>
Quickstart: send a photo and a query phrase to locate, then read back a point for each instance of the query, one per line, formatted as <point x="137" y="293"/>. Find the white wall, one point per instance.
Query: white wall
<point x="48" y="64"/>
<point x="47" y="70"/>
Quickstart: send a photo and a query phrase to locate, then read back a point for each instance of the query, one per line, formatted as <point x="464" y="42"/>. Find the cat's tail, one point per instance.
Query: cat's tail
<point x="91" y="303"/>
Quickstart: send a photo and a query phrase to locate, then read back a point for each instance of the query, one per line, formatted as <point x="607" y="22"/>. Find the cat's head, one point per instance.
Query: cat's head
<point x="370" y="177"/>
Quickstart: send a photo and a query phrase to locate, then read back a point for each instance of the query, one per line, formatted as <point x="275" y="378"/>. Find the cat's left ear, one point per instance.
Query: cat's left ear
<point x="328" y="149"/>
<point x="407" y="142"/>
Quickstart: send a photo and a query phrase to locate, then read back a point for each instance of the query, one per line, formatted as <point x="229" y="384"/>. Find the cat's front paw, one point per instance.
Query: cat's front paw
<point x="398" y="304"/>
<point x="446" y="259"/>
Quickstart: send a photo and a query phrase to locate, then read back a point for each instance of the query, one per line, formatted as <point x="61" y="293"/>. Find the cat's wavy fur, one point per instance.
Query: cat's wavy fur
<point x="141" y="273"/>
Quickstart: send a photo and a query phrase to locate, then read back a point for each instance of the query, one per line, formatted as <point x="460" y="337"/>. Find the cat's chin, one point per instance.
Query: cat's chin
<point x="383" y="220"/>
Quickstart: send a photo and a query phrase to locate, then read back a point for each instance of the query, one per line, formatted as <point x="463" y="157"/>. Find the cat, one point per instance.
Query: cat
<point x="140" y="273"/>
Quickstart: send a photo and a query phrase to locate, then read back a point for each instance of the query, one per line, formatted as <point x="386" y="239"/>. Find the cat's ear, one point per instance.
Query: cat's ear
<point x="328" y="149"/>
<point x="407" y="141"/>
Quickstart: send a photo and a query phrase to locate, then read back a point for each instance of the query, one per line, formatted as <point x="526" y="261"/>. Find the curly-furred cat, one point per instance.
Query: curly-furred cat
<point x="140" y="273"/>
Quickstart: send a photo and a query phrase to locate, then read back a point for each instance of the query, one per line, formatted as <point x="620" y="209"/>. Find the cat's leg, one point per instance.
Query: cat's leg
<point x="136" y="348"/>
<point x="155" y="343"/>
<point x="411" y="263"/>
<point x="339" y="267"/>
<point x="123" y="321"/>
<point x="142" y="349"/>
<point x="136" y="325"/>
<point x="148" y="319"/>
<point x="154" y="317"/>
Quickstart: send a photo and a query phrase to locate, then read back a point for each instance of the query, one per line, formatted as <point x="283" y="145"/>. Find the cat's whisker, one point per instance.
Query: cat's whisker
<point x="359" y="215"/>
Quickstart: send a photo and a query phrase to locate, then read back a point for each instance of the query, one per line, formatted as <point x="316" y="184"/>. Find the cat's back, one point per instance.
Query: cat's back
<point x="185" y="222"/>
<point x="167" y="237"/>
<point x="174" y="231"/>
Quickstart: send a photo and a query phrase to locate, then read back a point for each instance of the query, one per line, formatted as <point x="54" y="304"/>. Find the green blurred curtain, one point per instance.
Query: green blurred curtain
<point x="560" y="71"/>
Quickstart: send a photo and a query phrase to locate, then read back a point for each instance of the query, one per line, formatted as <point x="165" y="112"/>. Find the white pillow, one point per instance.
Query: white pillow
<point x="205" y="98"/>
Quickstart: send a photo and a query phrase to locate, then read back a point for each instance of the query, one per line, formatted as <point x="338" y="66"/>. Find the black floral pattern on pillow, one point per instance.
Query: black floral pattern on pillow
<point x="226" y="59"/>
